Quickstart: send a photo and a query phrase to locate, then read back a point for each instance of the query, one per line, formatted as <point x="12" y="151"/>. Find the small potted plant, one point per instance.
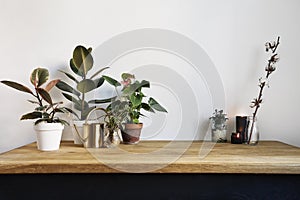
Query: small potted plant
<point x="115" y="114"/>
<point x="48" y="126"/>
<point x="218" y="126"/>
<point x="131" y="100"/>
<point x="80" y="64"/>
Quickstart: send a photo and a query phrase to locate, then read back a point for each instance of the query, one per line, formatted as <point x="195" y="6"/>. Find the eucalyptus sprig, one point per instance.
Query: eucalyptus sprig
<point x="270" y="68"/>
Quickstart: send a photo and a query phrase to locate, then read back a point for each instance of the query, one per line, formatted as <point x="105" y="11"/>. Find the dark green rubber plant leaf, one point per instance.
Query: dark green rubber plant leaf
<point x="70" y="98"/>
<point x="65" y="87"/>
<point x="71" y="111"/>
<point x="100" y="101"/>
<point x="98" y="72"/>
<point x="32" y="115"/>
<point x="112" y="81"/>
<point x="74" y="68"/>
<point x="86" y="85"/>
<point x="45" y="95"/>
<point x="82" y="59"/>
<point x="17" y="86"/>
<point x="70" y="76"/>
<point x="99" y="81"/>
<point x="39" y="76"/>
<point x="155" y="105"/>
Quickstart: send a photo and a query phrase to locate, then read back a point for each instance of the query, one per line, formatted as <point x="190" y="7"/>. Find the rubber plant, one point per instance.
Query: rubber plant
<point x="132" y="97"/>
<point x="46" y="109"/>
<point x="80" y="64"/>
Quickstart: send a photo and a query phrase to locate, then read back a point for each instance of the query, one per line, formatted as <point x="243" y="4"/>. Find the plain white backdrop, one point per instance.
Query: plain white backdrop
<point x="232" y="32"/>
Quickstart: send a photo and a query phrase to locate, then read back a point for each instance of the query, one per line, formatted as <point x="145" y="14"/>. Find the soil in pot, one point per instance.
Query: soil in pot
<point x="131" y="133"/>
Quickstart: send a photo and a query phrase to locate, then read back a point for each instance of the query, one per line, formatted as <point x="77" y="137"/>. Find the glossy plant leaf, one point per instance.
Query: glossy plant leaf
<point x="146" y="107"/>
<point x="71" y="111"/>
<point x="69" y="97"/>
<point x="32" y="115"/>
<point x="112" y="81"/>
<point x="74" y="68"/>
<point x="65" y="87"/>
<point x="40" y="108"/>
<point x="33" y="102"/>
<point x="98" y="72"/>
<point x="86" y="85"/>
<point x="131" y="88"/>
<point x="77" y="105"/>
<point x="155" y="105"/>
<point x="100" y="101"/>
<point x="136" y="100"/>
<point x="70" y="76"/>
<point x="82" y="59"/>
<point x="17" y="86"/>
<point x="145" y="84"/>
<point x="46" y="115"/>
<point x="99" y="81"/>
<point x="87" y="111"/>
<point x="51" y="84"/>
<point x="39" y="76"/>
<point x="45" y="95"/>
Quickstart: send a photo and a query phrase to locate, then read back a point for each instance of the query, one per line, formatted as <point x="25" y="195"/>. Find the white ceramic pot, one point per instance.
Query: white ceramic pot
<point x="48" y="136"/>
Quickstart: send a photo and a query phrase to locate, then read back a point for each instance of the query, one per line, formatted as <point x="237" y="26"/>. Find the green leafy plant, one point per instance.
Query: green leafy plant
<point x="219" y="119"/>
<point x="46" y="109"/>
<point x="131" y="101"/>
<point x="81" y="63"/>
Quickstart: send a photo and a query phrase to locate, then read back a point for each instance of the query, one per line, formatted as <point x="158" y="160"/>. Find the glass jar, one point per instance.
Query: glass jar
<point x="218" y="131"/>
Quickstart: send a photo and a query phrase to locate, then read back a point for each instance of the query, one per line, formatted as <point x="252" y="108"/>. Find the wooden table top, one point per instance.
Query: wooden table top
<point x="268" y="157"/>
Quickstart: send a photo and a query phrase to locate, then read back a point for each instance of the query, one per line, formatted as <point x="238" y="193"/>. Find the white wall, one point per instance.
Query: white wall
<point x="43" y="33"/>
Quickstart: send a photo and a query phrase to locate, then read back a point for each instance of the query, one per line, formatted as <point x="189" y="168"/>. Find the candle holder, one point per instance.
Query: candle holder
<point x="241" y="127"/>
<point x="236" y="138"/>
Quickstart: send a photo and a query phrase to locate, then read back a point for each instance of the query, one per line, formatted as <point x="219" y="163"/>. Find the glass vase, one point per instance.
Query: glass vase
<point x="218" y="132"/>
<point x="252" y="131"/>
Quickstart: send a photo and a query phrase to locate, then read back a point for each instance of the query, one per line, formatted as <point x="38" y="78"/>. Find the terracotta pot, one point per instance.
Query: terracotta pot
<point x="131" y="133"/>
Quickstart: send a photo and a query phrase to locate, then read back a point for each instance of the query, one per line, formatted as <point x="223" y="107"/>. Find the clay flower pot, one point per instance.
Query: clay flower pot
<point x="131" y="133"/>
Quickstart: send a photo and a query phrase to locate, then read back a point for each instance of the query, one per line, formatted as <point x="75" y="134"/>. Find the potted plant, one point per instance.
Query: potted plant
<point x="115" y="114"/>
<point x="218" y="126"/>
<point x="48" y="126"/>
<point x="80" y="64"/>
<point x="131" y="100"/>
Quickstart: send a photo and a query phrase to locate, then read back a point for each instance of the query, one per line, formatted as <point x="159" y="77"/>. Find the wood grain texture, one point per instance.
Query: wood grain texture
<point x="268" y="157"/>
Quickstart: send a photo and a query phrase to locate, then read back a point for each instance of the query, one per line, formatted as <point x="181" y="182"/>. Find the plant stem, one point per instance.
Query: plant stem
<point x="82" y="106"/>
<point x="38" y="97"/>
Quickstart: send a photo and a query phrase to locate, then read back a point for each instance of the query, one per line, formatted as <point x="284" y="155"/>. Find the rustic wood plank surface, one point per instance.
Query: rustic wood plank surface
<point x="268" y="157"/>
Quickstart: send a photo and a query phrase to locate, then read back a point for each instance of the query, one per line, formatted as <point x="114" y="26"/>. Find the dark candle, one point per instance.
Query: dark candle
<point x="236" y="138"/>
<point x="241" y="127"/>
